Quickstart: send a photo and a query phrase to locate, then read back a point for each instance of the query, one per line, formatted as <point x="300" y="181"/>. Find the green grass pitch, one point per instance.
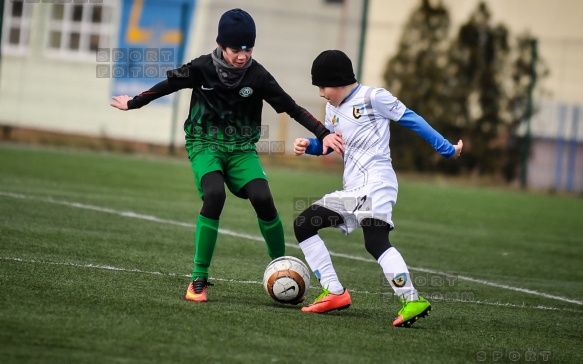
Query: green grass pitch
<point x="96" y="252"/>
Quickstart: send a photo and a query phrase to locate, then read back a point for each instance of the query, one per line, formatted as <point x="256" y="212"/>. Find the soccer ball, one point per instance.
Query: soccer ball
<point x="286" y="279"/>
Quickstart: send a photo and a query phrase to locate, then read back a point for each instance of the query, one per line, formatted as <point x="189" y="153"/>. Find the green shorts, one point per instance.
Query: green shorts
<point x="238" y="167"/>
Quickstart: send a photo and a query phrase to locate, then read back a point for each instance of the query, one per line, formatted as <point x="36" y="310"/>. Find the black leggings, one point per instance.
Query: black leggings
<point x="316" y="217"/>
<point x="214" y="196"/>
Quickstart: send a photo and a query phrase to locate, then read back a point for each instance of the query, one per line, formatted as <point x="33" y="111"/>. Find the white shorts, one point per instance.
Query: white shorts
<point x="374" y="200"/>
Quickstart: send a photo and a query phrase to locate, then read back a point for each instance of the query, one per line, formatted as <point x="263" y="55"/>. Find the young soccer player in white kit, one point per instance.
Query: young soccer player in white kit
<point x="361" y="115"/>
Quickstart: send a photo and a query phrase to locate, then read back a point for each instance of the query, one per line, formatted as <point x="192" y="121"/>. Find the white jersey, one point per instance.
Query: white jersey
<point x="369" y="182"/>
<point x="363" y="119"/>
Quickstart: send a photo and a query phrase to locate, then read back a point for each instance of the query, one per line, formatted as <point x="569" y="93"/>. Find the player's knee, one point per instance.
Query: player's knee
<point x="215" y="196"/>
<point x="259" y="194"/>
<point x="376" y="237"/>
<point x="213" y="203"/>
<point x="213" y="189"/>
<point x="262" y="202"/>
<point x="377" y="248"/>
<point x="303" y="229"/>
<point x="261" y="198"/>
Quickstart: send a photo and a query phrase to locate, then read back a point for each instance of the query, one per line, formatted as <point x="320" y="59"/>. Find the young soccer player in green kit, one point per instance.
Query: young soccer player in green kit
<point x="222" y="128"/>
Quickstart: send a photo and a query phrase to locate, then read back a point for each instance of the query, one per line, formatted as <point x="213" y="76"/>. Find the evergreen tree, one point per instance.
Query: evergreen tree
<point x="416" y="75"/>
<point x="474" y="87"/>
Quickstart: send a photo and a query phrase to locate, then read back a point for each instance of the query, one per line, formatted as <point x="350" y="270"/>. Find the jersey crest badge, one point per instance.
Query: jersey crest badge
<point x="335" y="120"/>
<point x="246" y="91"/>
<point x="358" y="111"/>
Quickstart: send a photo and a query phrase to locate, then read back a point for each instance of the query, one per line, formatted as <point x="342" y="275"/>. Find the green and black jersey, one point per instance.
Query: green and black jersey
<point x="223" y="117"/>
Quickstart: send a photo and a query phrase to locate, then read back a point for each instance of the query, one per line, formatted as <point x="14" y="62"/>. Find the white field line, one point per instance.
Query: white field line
<point x="139" y="271"/>
<point x="135" y="215"/>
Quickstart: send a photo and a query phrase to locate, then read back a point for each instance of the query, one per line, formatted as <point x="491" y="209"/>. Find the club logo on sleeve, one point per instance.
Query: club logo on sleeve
<point x="400" y="280"/>
<point x="246" y="91"/>
<point x="357" y="111"/>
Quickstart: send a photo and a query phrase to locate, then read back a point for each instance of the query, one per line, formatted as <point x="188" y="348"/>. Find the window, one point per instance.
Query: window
<point x="78" y="29"/>
<point x="16" y="26"/>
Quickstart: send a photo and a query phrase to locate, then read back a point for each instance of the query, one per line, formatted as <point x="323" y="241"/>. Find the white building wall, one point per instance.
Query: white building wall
<point x="45" y="92"/>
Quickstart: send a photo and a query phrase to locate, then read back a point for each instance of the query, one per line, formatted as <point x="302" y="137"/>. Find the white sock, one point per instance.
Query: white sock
<point x="319" y="260"/>
<point x="397" y="274"/>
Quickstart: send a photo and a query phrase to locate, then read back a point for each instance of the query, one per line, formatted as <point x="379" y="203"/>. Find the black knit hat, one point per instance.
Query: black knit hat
<point x="332" y="68"/>
<point x="236" y="30"/>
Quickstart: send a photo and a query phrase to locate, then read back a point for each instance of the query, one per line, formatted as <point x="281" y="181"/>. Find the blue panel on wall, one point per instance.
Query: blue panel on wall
<point x="151" y="41"/>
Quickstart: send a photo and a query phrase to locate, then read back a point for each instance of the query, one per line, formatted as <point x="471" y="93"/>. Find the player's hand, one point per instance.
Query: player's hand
<point x="334" y="141"/>
<point x="458" y="149"/>
<point x="300" y="145"/>
<point x="121" y="102"/>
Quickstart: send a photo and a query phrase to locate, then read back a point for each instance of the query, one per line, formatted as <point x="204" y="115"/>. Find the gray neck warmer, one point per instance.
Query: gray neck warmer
<point x="230" y="76"/>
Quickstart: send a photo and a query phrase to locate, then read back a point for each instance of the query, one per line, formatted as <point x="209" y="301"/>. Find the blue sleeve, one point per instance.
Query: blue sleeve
<point x="315" y="147"/>
<point x="412" y="121"/>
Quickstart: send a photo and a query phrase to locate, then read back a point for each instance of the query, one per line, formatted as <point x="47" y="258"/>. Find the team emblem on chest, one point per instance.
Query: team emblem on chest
<point x="335" y="120"/>
<point x="357" y="111"/>
<point x="246" y="91"/>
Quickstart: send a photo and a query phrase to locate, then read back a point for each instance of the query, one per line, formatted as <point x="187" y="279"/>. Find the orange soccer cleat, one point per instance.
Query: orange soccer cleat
<point x="196" y="291"/>
<point x="327" y="301"/>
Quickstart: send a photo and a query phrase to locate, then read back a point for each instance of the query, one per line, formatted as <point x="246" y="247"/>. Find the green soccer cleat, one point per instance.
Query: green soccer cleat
<point x="411" y="312"/>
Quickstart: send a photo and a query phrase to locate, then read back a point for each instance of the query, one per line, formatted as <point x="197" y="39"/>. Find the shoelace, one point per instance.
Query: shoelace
<point x="197" y="286"/>
<point x="324" y="293"/>
<point x="403" y="303"/>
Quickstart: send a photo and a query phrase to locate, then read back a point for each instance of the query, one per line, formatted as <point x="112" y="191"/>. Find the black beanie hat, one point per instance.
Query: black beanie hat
<point x="332" y="68"/>
<point x="236" y="30"/>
